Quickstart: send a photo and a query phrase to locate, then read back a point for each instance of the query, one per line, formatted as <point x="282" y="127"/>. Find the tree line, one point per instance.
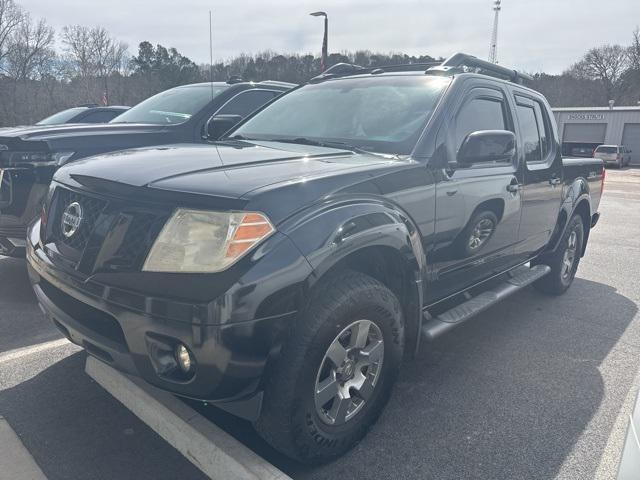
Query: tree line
<point x="92" y="66"/>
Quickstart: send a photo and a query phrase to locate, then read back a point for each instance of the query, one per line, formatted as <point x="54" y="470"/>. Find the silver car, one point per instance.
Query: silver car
<point x="617" y="155"/>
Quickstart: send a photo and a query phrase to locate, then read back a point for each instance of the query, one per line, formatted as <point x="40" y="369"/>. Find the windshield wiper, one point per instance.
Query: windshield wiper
<point x="320" y="143"/>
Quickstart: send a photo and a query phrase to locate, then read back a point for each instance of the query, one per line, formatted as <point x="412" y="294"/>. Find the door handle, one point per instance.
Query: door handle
<point x="451" y="193"/>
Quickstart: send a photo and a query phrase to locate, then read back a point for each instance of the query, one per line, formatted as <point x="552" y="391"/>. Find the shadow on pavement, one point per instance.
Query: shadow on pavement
<point x="505" y="396"/>
<point x="75" y="430"/>
<point x="21" y="322"/>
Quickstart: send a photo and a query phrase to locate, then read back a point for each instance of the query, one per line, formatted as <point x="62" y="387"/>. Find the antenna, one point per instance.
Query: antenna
<point x="211" y="54"/>
<point x="493" y="48"/>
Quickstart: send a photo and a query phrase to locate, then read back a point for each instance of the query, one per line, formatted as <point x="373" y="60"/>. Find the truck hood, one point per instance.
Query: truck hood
<point x="87" y="139"/>
<point x="226" y="169"/>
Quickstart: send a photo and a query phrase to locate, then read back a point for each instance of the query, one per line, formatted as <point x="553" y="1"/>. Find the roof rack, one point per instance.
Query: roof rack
<point x="276" y="83"/>
<point x="235" y="79"/>
<point x="347" y="69"/>
<point x="461" y="63"/>
<point x="457" y="63"/>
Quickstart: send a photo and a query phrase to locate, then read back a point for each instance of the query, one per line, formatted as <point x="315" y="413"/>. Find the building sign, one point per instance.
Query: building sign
<point x="585" y="116"/>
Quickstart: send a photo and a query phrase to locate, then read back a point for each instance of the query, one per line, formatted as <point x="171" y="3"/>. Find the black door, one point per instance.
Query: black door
<point x="541" y="174"/>
<point x="477" y="206"/>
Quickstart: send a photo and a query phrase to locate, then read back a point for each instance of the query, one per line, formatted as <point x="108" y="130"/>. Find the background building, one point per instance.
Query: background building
<point x="583" y="129"/>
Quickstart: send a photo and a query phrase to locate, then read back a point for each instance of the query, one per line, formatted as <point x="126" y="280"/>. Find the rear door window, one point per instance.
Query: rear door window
<point x="531" y="143"/>
<point x="247" y="102"/>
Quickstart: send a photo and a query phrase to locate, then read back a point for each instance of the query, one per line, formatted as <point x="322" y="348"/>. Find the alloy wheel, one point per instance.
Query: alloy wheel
<point x="349" y="372"/>
<point x="569" y="255"/>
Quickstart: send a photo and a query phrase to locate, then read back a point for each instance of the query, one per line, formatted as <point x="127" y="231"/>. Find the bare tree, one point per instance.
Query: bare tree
<point x="79" y="49"/>
<point x="10" y="17"/>
<point x="634" y="50"/>
<point x="108" y="54"/>
<point x="93" y="53"/>
<point x="30" y="48"/>
<point x="607" y="64"/>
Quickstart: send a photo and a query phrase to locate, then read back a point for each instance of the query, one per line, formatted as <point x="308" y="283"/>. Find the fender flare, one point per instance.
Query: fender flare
<point x="328" y="234"/>
<point x="576" y="194"/>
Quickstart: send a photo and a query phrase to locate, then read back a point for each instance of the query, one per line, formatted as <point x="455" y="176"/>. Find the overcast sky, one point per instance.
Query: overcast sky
<point x="534" y="35"/>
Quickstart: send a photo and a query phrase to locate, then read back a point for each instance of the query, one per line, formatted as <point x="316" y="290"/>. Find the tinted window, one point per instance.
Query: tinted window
<point x="530" y="134"/>
<point x="99" y="117"/>
<point x="382" y="114"/>
<point x="62" y="117"/>
<point x="171" y="106"/>
<point x="543" y="128"/>
<point x="479" y="114"/>
<point x="247" y="102"/>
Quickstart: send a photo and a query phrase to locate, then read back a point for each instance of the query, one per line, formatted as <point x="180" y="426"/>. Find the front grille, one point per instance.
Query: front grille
<point x="143" y="229"/>
<point x="91" y="210"/>
<point x="13" y="232"/>
<point x="113" y="235"/>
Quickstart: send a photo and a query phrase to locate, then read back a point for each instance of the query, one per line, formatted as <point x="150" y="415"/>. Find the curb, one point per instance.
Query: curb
<point x="216" y="453"/>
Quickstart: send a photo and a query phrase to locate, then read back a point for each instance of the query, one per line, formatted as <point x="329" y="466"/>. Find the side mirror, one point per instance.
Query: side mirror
<point x="218" y="125"/>
<point x="487" y="146"/>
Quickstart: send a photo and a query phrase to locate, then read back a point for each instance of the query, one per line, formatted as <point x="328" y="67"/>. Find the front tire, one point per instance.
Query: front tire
<point x="564" y="261"/>
<point x="336" y="370"/>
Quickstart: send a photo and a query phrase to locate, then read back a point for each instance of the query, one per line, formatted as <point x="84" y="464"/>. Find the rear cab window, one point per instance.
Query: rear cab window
<point x="607" y="150"/>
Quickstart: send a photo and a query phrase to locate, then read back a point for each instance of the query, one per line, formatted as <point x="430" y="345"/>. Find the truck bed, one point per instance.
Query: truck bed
<point x="592" y="170"/>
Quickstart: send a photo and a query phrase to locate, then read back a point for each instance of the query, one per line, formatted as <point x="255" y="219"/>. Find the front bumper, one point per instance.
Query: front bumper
<point x="230" y="357"/>
<point x="22" y="193"/>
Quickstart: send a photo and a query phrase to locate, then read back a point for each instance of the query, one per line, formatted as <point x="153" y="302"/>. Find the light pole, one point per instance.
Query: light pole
<point x="323" y="60"/>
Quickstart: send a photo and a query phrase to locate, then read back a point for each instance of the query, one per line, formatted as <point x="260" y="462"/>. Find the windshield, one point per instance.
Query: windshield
<point x="607" y="150"/>
<point x="171" y="106"/>
<point x="380" y="114"/>
<point x="61" y="117"/>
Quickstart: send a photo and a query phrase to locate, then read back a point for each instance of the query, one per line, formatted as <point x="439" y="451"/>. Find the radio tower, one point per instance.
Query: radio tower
<point x="493" y="48"/>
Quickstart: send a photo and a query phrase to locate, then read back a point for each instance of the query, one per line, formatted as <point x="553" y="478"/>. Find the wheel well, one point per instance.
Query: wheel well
<point x="584" y="210"/>
<point x="390" y="268"/>
<point x="496" y="205"/>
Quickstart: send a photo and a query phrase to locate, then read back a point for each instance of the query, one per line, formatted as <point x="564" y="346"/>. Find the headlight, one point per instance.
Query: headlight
<point x="201" y="241"/>
<point x="34" y="159"/>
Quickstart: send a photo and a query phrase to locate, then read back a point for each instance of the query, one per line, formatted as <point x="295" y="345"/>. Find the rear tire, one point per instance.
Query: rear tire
<point x="564" y="261"/>
<point x="297" y="419"/>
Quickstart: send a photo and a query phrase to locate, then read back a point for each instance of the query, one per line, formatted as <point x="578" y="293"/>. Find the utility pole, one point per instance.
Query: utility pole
<point x="493" y="48"/>
<point x="323" y="58"/>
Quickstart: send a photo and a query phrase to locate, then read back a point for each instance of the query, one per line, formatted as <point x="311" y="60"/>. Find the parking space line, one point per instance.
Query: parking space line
<point x="32" y="349"/>
<point x="16" y="462"/>
<point x="208" y="447"/>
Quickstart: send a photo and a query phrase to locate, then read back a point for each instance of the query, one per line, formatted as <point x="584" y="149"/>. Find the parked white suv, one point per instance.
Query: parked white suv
<point x="617" y="155"/>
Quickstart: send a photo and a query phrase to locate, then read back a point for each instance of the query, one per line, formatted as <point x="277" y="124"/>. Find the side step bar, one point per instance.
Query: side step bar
<point x="519" y="278"/>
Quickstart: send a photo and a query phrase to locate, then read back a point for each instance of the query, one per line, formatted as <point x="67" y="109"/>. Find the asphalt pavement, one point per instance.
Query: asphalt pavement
<point x="536" y="387"/>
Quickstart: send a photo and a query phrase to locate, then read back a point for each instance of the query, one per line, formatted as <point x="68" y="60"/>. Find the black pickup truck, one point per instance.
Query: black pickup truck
<point x="194" y="113"/>
<point x="284" y="272"/>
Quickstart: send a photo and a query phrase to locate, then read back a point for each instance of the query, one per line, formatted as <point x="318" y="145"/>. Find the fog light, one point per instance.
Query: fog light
<point x="183" y="357"/>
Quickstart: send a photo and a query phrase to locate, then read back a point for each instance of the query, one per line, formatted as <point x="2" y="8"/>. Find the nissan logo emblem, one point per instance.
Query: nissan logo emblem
<point x="71" y="219"/>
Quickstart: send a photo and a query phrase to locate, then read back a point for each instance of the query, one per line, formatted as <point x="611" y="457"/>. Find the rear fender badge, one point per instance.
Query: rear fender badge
<point x="71" y="219"/>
